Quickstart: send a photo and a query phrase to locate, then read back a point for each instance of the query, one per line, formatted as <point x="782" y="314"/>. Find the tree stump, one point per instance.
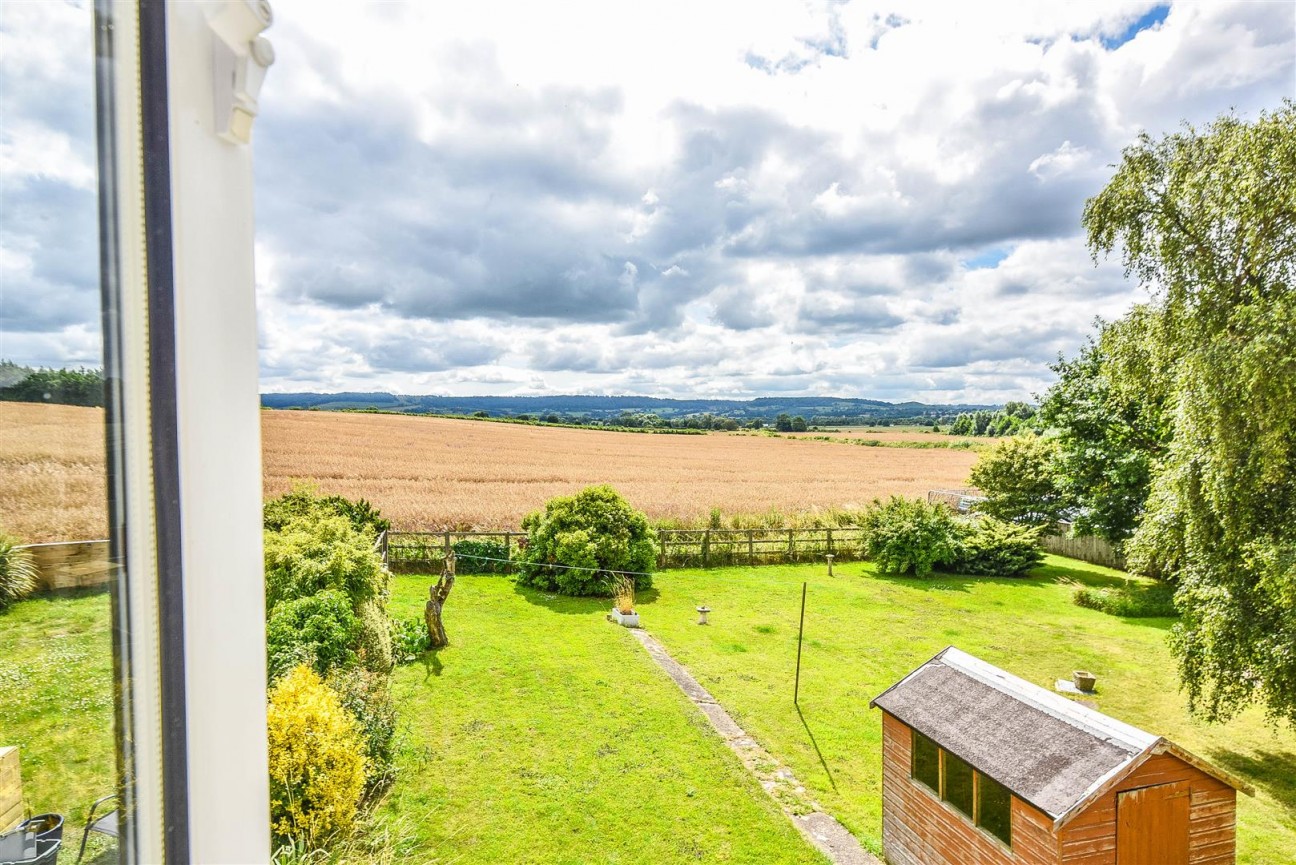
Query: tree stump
<point x="437" y="595"/>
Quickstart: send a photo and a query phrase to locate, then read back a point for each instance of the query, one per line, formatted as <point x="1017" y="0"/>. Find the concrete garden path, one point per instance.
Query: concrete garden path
<point x="821" y="829"/>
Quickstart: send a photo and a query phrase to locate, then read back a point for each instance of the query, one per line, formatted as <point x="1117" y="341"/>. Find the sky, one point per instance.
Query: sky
<point x="724" y="199"/>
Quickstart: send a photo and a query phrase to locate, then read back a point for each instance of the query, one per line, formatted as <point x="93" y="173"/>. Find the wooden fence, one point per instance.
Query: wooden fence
<point x="493" y="552"/>
<point x="709" y="548"/>
<point x="72" y="565"/>
<point x="1087" y="549"/>
<point x="478" y="552"/>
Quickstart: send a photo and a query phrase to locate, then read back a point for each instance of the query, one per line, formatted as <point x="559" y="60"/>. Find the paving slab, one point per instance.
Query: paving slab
<point x="820" y="828"/>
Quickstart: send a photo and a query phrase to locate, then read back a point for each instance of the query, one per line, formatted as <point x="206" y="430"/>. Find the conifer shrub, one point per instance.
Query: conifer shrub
<point x="994" y="548"/>
<point x="577" y="541"/>
<point x="317" y="760"/>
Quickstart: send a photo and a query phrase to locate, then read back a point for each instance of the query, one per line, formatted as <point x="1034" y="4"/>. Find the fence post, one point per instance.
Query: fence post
<point x="791" y="547"/>
<point x="661" y="557"/>
<point x="830" y="547"/>
<point x="447" y="544"/>
<point x="751" y="546"/>
<point x="508" y="551"/>
<point x="706" y="548"/>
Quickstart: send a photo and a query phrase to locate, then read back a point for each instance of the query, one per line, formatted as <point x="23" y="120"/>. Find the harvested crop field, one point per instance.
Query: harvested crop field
<point x="426" y="472"/>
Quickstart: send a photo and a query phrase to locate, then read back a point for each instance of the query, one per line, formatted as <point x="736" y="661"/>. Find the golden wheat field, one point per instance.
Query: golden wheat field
<point x="425" y="472"/>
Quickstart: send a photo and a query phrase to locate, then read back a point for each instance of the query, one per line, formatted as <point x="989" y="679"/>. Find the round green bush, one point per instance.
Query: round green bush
<point x="593" y="532"/>
<point x="908" y="535"/>
<point x="318" y="631"/>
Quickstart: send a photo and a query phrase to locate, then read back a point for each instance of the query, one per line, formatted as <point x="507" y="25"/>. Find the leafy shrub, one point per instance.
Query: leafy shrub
<point x="303" y="501"/>
<point x="318" y="631"/>
<point x="409" y="639"/>
<point x="990" y="547"/>
<point x="317" y="763"/>
<point x="18" y="575"/>
<point x="595" y="529"/>
<point x="908" y="535"/>
<point x="311" y="553"/>
<point x="367" y="697"/>
<point x="1130" y="600"/>
<point x="374" y="638"/>
<point x="469" y="555"/>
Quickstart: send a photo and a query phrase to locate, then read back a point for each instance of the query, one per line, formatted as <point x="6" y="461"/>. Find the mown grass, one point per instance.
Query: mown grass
<point x="545" y="734"/>
<point x="542" y="734"/>
<point x="56" y="705"/>
<point x="863" y="632"/>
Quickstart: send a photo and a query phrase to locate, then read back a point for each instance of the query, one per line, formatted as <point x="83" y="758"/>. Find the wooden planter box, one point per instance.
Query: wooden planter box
<point x="11" y="810"/>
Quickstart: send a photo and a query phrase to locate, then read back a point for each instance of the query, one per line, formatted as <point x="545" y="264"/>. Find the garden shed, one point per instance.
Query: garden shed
<point x="979" y="766"/>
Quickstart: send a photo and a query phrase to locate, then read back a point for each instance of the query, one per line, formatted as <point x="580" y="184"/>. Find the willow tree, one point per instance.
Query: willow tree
<point x="1206" y="220"/>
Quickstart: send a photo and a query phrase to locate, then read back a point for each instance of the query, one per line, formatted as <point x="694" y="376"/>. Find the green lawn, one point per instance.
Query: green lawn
<point x="864" y="632"/>
<point x="545" y="734"/>
<point x="56" y="703"/>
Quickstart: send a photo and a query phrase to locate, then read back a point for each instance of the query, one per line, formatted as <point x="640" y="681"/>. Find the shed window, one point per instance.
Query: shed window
<point x="994" y="808"/>
<point x="982" y="800"/>
<point x="926" y="762"/>
<point x="958" y="784"/>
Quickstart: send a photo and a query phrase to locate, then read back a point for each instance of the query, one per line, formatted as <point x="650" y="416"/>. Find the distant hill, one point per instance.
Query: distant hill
<point x="602" y="409"/>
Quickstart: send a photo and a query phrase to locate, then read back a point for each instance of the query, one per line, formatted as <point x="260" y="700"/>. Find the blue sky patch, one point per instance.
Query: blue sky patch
<point x="989" y="259"/>
<point x="1146" y="21"/>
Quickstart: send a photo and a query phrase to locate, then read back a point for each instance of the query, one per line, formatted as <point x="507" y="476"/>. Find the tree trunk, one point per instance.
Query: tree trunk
<point x="437" y="595"/>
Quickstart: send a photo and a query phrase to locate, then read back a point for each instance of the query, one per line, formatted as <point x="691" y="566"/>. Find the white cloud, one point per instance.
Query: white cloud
<point x="727" y="197"/>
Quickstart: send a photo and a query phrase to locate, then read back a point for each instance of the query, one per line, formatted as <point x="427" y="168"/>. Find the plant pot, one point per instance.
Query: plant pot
<point x="628" y="620"/>
<point x="1084" y="680"/>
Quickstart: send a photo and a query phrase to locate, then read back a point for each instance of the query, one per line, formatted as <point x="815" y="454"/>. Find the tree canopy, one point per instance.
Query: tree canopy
<point x="1019" y="480"/>
<point x="1206" y="220"/>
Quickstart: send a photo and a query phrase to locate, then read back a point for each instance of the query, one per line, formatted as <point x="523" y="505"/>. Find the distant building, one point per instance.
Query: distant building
<point x="979" y="766"/>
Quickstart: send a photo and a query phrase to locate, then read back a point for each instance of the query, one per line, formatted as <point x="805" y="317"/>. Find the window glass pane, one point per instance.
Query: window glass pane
<point x="994" y="809"/>
<point x="958" y="783"/>
<point x="926" y="761"/>
<point x="57" y="568"/>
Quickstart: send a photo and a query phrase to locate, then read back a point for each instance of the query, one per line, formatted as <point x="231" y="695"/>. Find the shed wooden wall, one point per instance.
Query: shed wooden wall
<point x="1090" y="839"/>
<point x="919" y="829"/>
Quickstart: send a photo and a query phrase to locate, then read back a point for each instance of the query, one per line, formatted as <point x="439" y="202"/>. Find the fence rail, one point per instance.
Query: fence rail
<point x="405" y="552"/>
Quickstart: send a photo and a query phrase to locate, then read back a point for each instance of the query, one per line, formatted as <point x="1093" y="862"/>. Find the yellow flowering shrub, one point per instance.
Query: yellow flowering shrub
<point x="317" y="764"/>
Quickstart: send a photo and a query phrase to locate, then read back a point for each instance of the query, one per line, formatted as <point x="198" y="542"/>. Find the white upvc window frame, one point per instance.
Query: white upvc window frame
<point x="184" y="434"/>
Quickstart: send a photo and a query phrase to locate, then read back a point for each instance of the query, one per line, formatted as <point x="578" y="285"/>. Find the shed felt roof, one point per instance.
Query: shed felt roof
<point x="1048" y="750"/>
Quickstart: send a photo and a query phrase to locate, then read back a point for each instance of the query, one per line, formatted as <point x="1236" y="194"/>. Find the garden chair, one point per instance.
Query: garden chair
<point x="105" y="823"/>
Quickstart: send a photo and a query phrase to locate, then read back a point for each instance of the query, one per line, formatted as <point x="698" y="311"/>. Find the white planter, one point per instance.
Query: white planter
<point x="629" y="620"/>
